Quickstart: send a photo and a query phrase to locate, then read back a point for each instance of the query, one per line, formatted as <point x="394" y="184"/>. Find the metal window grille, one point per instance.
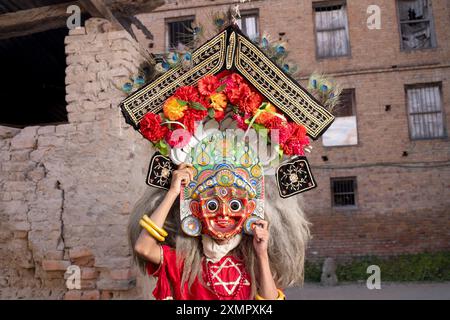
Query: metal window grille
<point x="416" y="27"/>
<point x="343" y="192"/>
<point x="179" y="32"/>
<point x="331" y="25"/>
<point x="426" y="119"/>
<point x="248" y="23"/>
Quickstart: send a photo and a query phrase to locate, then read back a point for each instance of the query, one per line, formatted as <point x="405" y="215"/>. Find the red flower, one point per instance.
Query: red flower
<point x="275" y="123"/>
<point x="284" y="132"/>
<point x="236" y="93"/>
<point x="228" y="82"/>
<point x="208" y="85"/>
<point x="151" y="128"/>
<point x="251" y="102"/>
<point x="237" y="78"/>
<point x="293" y="148"/>
<point x="178" y="138"/>
<point x="288" y="150"/>
<point x="191" y="117"/>
<point x="187" y="93"/>
<point x="297" y="140"/>
<point x="219" y="115"/>
<point x="198" y="114"/>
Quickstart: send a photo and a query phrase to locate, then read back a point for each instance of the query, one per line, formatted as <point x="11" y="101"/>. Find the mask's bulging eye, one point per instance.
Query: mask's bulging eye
<point x="212" y="205"/>
<point x="235" y="205"/>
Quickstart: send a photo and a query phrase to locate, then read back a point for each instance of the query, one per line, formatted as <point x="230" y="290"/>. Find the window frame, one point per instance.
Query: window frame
<point x="353" y="94"/>
<point x="434" y="44"/>
<point x="321" y="4"/>
<point x="166" y="25"/>
<point x="355" y="114"/>
<point x="355" y="193"/>
<point x="419" y="86"/>
<point x="249" y="13"/>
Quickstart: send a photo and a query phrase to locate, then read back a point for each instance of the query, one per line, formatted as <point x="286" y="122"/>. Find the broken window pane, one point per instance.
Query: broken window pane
<point x="416" y="25"/>
<point x="345" y="107"/>
<point x="331" y="31"/>
<point x="344" y="130"/>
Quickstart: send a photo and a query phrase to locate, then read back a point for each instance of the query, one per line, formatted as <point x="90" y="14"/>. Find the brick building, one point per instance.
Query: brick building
<point x="384" y="179"/>
<point x="65" y="194"/>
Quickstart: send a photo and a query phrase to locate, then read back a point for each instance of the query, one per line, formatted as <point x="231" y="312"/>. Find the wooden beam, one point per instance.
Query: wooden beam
<point x="24" y="22"/>
<point x="133" y="7"/>
<point x="98" y="9"/>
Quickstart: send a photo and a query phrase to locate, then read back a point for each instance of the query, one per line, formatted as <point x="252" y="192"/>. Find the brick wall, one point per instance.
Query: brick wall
<point x="400" y="209"/>
<point x="66" y="194"/>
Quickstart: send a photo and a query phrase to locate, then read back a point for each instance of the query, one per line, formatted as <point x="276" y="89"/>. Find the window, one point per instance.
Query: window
<point x="178" y="31"/>
<point x="344" y="130"/>
<point x="331" y="30"/>
<point x="248" y="23"/>
<point x="343" y="192"/>
<point x="32" y="82"/>
<point x="426" y="119"/>
<point x="416" y="24"/>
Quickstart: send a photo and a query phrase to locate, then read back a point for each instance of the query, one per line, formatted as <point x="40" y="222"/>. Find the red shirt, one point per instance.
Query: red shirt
<point x="224" y="280"/>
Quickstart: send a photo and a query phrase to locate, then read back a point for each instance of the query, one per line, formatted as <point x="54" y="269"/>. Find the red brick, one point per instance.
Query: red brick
<point x="90" y="295"/>
<point x="88" y="273"/>
<point x="84" y="261"/>
<point x="106" y="295"/>
<point x="72" y="295"/>
<point x="116" y="285"/>
<point x="88" y="284"/>
<point x="122" y="274"/>
<point x="54" y="255"/>
<point x="55" y="265"/>
<point x="79" y="252"/>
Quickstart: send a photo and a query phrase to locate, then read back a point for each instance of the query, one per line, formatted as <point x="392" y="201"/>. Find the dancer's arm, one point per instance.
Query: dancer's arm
<point x="147" y="246"/>
<point x="267" y="288"/>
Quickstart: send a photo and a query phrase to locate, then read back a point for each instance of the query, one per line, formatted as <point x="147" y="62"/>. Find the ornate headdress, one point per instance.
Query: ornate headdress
<point x="229" y="169"/>
<point x="229" y="82"/>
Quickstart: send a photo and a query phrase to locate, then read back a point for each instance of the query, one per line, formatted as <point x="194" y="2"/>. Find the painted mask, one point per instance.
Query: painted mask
<point x="227" y="193"/>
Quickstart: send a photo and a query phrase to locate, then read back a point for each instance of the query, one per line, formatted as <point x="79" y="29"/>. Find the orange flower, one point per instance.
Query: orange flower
<point x="173" y="110"/>
<point x="265" y="116"/>
<point x="218" y="101"/>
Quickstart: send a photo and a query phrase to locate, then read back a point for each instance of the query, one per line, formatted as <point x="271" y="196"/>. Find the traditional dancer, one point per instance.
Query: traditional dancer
<point x="217" y="227"/>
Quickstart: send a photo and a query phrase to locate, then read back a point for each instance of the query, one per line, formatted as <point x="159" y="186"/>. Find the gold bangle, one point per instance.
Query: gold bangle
<point x="150" y="230"/>
<point x="161" y="231"/>
<point x="281" y="296"/>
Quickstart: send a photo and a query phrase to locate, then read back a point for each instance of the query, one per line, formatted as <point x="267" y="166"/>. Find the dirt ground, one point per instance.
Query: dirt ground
<point x="388" y="291"/>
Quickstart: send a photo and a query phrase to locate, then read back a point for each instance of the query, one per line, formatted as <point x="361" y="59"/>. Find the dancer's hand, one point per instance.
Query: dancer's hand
<point x="261" y="237"/>
<point x="181" y="177"/>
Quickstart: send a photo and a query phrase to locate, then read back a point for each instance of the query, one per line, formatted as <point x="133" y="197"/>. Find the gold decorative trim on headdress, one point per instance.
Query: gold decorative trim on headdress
<point x="207" y="60"/>
<point x="272" y="82"/>
<point x="230" y="50"/>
